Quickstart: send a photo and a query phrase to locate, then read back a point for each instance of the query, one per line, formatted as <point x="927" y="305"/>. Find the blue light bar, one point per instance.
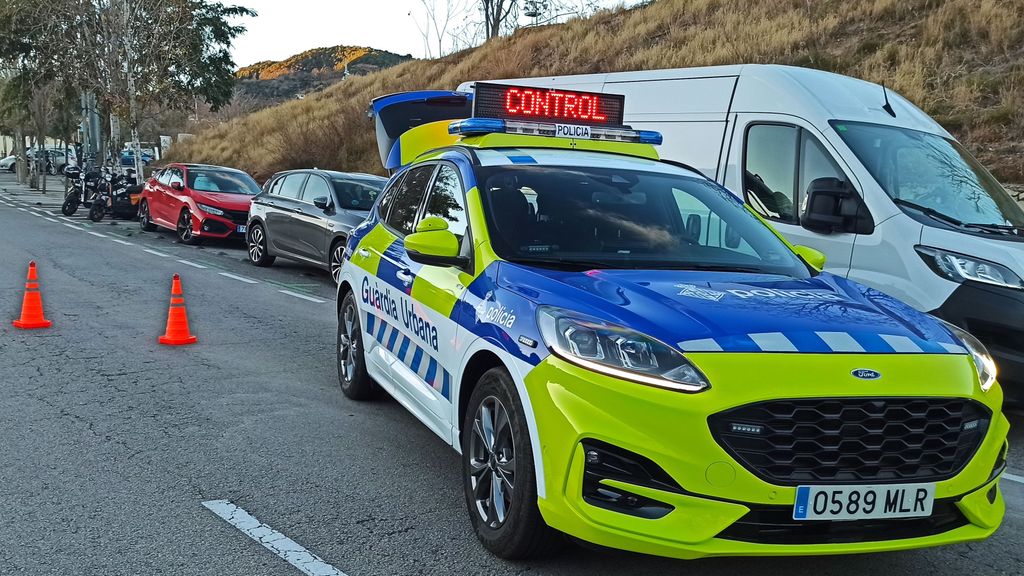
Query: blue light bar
<point x="474" y="126"/>
<point x="649" y="137"/>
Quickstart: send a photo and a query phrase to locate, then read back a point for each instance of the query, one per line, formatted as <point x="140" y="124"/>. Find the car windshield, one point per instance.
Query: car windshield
<point x="926" y="171"/>
<point x="357" y="194"/>
<point x="228" y="182"/>
<point x="601" y="218"/>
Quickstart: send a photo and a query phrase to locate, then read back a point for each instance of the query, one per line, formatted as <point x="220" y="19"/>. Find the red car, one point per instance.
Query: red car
<point x="198" y="201"/>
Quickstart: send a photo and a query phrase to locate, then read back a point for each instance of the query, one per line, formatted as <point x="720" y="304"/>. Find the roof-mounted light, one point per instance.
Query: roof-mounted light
<point x="481" y="126"/>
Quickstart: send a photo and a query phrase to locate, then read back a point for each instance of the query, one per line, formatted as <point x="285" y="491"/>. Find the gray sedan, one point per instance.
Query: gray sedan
<point x="306" y="215"/>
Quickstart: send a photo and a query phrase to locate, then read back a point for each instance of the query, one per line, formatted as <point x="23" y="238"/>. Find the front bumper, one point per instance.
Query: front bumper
<point x="995" y="315"/>
<point x="212" y="226"/>
<point x="720" y="505"/>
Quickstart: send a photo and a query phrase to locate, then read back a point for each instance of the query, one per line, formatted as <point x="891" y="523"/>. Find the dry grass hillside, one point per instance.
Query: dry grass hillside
<point x="961" y="60"/>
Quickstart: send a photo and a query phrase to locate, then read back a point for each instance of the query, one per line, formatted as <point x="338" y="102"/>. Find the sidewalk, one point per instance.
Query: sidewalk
<point x="54" y="196"/>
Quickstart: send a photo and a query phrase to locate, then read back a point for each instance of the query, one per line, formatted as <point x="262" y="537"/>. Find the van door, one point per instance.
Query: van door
<point x="776" y="160"/>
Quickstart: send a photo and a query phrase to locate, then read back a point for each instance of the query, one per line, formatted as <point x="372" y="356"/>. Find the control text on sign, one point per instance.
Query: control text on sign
<point x="553" y="104"/>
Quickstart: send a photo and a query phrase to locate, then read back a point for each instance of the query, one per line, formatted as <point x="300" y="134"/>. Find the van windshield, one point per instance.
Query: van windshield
<point x="576" y="218"/>
<point x="931" y="174"/>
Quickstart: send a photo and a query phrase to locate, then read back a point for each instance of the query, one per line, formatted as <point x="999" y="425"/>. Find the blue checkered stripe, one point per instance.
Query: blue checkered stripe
<point x="410" y="354"/>
<point x="822" y="342"/>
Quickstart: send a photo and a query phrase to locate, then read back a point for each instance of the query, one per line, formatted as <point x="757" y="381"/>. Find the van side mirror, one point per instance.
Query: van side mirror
<point x="813" y="257"/>
<point x="831" y="205"/>
<point x="434" y="245"/>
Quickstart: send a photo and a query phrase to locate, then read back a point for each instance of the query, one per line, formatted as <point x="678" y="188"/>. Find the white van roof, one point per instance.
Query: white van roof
<point x="815" y="95"/>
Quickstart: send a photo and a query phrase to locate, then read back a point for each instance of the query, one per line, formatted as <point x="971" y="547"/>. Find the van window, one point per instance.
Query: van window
<point x="769" y="177"/>
<point x="781" y="163"/>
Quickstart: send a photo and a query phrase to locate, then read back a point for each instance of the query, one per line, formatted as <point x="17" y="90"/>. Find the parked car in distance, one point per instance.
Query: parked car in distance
<point x="9" y="163"/>
<point x="197" y="201"/>
<point x="128" y="157"/>
<point x="306" y="215"/>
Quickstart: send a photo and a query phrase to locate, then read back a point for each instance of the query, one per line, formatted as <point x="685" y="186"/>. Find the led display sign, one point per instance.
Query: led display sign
<point x="510" y="102"/>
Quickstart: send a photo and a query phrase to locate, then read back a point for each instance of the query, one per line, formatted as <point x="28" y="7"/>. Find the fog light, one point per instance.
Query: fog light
<point x="746" y="428"/>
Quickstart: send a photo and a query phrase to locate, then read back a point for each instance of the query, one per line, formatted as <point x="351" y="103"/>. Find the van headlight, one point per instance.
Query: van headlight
<point x="617" y="351"/>
<point x="982" y="359"/>
<point x="959" y="267"/>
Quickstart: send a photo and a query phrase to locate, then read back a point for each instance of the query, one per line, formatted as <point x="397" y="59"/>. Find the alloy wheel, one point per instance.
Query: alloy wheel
<point x="185" y="226"/>
<point x="348" y="342"/>
<point x="144" y="215"/>
<point x="492" y="462"/>
<point x="256" y="244"/>
<point x="336" y="259"/>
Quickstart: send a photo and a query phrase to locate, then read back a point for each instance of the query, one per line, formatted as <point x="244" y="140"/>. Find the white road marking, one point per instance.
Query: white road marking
<point x="192" y="264"/>
<point x="71" y="226"/>
<point x="126" y="243"/>
<point x="54" y="220"/>
<point x="96" y="234"/>
<point x="286" y="548"/>
<point x="303" y="296"/>
<point x="65" y="218"/>
<point x="1013" y="478"/>
<point x="22" y="209"/>
<point x="239" y="278"/>
<point x="155" y="253"/>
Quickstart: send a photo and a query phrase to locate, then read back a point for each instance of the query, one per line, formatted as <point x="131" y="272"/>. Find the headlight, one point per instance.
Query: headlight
<point x="982" y="359"/>
<point x="210" y="209"/>
<point x="958" y="267"/>
<point x="617" y="351"/>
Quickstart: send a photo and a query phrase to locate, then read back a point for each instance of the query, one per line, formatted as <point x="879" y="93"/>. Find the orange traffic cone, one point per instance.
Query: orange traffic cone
<point x="32" y="304"/>
<point x="177" y="322"/>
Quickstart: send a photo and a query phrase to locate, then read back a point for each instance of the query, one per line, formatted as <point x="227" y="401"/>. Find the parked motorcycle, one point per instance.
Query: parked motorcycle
<point x="114" y="196"/>
<point x="83" y="187"/>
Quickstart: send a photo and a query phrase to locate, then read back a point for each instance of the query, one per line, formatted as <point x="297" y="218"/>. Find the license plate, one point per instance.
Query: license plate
<point x="863" y="502"/>
<point x="572" y="131"/>
<point x="242" y="229"/>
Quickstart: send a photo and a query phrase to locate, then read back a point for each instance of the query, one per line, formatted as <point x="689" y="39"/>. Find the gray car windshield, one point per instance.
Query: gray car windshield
<point x="925" y="172"/>
<point x="599" y="218"/>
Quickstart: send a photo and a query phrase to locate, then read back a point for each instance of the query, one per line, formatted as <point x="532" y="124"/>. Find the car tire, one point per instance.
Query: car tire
<point x="335" y="258"/>
<point x="256" y="243"/>
<point x="145" y="221"/>
<point x="184" y="229"/>
<point x="514" y="529"/>
<point x="352" y="376"/>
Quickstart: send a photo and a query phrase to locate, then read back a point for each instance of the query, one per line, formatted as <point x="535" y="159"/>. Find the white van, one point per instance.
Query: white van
<point x="854" y="170"/>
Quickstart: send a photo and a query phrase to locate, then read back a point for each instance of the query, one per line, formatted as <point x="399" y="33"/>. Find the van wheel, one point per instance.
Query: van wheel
<point x="355" y="382"/>
<point x="499" y="479"/>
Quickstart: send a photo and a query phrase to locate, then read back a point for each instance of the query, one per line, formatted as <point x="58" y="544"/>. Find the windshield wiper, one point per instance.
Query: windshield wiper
<point x="993" y="228"/>
<point x="574" y="264"/>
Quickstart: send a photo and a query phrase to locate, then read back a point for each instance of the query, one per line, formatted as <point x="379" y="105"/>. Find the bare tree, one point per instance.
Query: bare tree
<point x="440" y="17"/>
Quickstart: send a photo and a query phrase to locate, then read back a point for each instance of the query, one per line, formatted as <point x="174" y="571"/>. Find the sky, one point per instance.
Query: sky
<point x="287" y="27"/>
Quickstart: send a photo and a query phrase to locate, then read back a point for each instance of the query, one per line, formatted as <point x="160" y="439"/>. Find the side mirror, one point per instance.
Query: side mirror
<point x="321" y="203"/>
<point x="813" y="257"/>
<point x="177" y="186"/>
<point x="434" y="245"/>
<point x="831" y="205"/>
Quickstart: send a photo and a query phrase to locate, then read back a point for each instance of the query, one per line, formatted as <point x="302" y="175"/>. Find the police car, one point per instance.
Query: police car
<point x="621" y="352"/>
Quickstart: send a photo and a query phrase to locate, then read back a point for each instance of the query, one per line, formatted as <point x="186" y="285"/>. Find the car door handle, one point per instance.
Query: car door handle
<point x="363" y="252"/>
<point x="405" y="276"/>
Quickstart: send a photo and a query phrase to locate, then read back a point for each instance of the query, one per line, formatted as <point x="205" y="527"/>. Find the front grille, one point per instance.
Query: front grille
<point x="852" y="440"/>
<point x="236" y="216"/>
<point x="775" y="525"/>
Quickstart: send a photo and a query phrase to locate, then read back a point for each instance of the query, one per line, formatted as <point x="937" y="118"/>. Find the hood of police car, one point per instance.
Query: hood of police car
<point x="740" y="312"/>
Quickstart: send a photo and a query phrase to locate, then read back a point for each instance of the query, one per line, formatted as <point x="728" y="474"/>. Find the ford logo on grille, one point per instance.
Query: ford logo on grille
<point x="866" y="374"/>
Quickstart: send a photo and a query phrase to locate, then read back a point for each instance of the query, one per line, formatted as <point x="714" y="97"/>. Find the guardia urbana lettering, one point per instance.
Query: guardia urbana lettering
<point x="418" y="325"/>
<point x="379" y="299"/>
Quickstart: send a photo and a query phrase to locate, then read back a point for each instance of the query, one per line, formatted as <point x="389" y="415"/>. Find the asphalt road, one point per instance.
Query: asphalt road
<point x="111" y="443"/>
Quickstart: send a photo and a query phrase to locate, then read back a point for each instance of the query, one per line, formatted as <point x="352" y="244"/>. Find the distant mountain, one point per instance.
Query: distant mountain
<point x="270" y="82"/>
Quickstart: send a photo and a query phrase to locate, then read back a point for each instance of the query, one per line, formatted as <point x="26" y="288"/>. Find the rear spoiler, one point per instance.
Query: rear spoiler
<point x="396" y="114"/>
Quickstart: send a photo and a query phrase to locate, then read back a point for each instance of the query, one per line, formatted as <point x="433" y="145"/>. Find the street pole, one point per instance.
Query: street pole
<point x="133" y="105"/>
